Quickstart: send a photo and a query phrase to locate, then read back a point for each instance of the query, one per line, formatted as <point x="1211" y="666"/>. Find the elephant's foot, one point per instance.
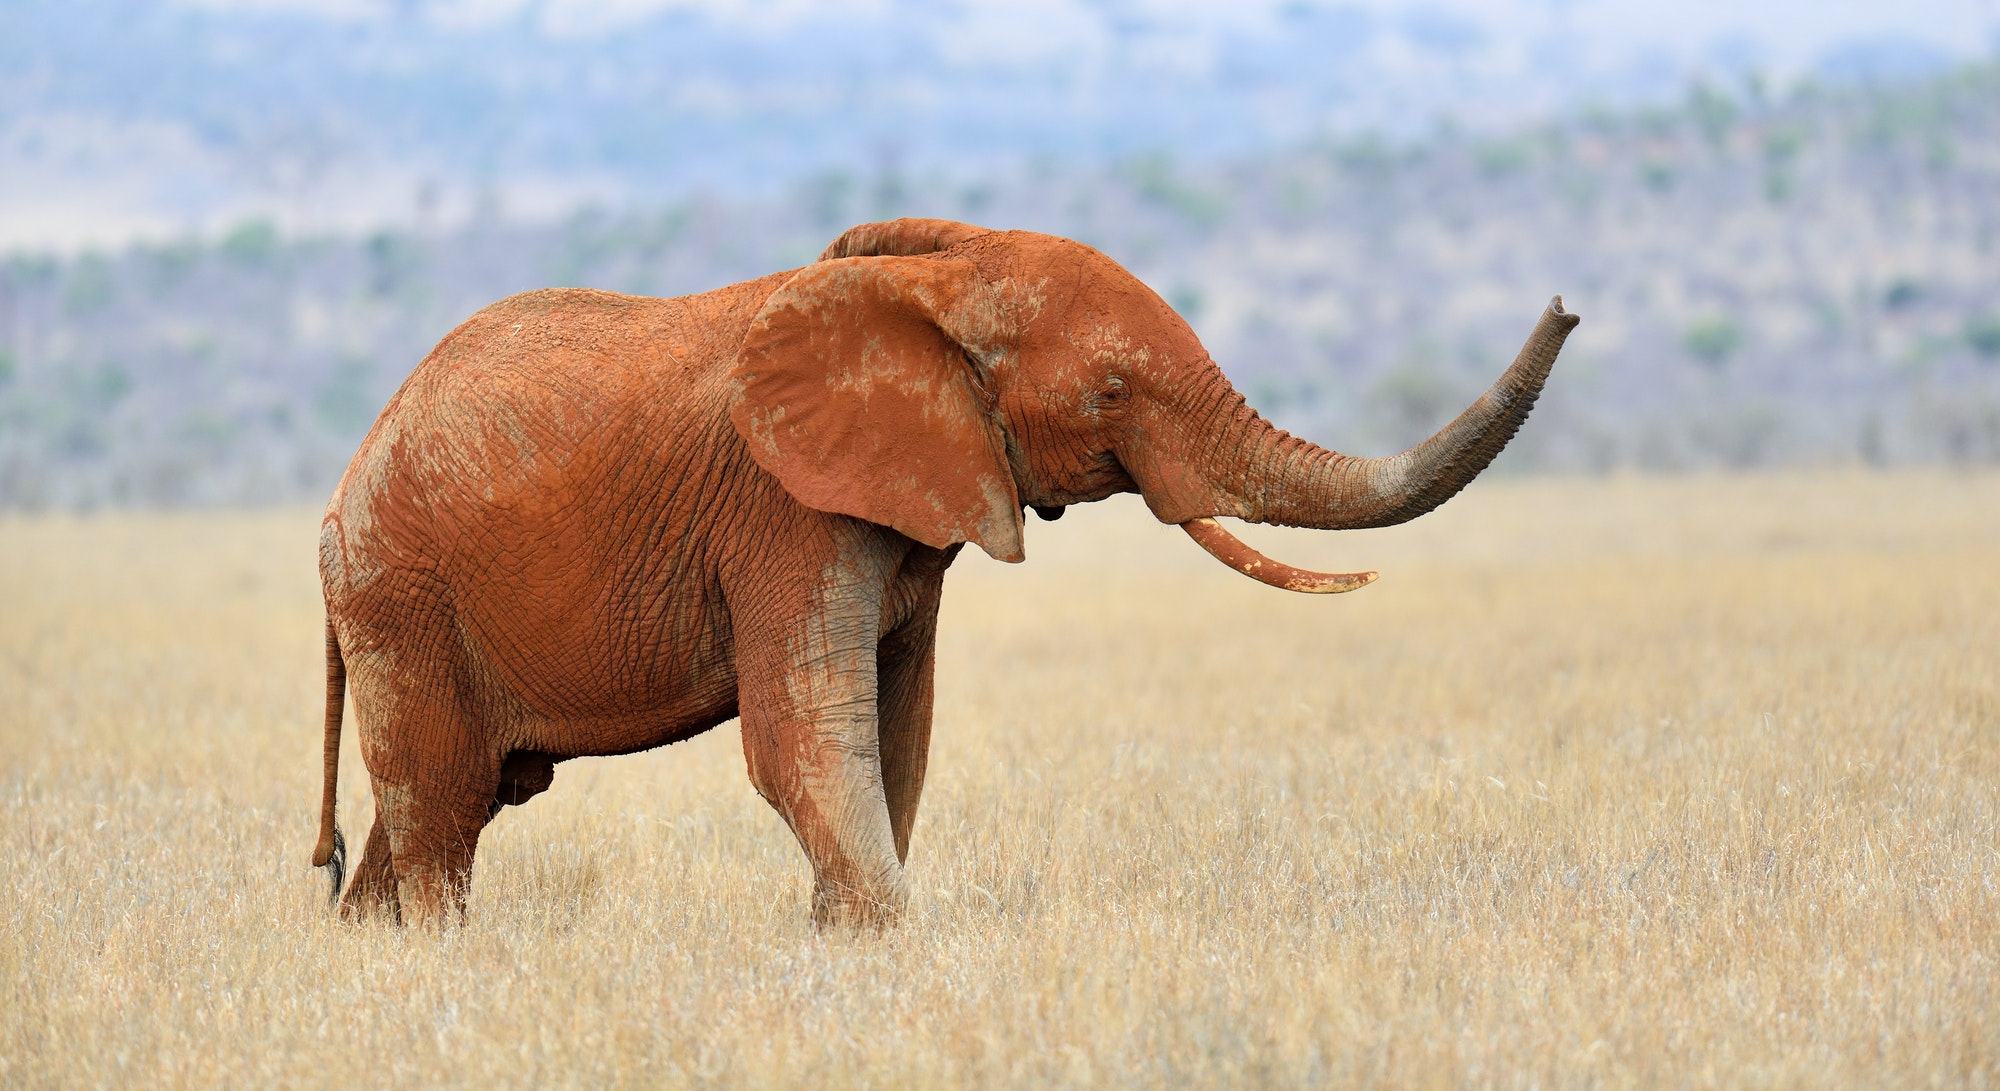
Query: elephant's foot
<point x="859" y="906"/>
<point x="433" y="895"/>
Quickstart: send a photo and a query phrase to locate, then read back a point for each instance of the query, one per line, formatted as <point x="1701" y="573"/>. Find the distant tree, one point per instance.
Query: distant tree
<point x="826" y="198"/>
<point x="166" y="266"/>
<point x="1414" y="396"/>
<point x="1982" y="333"/>
<point x="1368" y="155"/>
<point x="1186" y="300"/>
<point x="1870" y="443"/>
<point x="1155" y="179"/>
<point x="251" y="242"/>
<point x="345" y="405"/>
<point x="97" y="390"/>
<point x="1713" y="340"/>
<point x="1714" y="113"/>
<point x="92" y="284"/>
<point x="1498" y="158"/>
<point x="1744" y="436"/>
<point x="393" y="260"/>
<point x="891" y="193"/>
<point x="28" y="271"/>
<point x="974" y="199"/>
<point x="1782" y="144"/>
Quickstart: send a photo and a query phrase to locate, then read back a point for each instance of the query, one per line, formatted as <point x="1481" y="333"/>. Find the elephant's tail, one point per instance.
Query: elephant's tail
<point x="331" y="852"/>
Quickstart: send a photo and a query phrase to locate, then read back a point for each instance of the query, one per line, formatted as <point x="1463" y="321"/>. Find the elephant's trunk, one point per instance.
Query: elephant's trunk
<point x="1290" y="482"/>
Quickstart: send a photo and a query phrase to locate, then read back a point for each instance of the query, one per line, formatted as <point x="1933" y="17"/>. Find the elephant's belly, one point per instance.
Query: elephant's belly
<point x="575" y="682"/>
<point x="619" y="719"/>
<point x="628" y="733"/>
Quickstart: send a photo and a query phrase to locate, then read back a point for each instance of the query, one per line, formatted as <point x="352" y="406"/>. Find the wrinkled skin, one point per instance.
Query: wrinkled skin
<point x="593" y="524"/>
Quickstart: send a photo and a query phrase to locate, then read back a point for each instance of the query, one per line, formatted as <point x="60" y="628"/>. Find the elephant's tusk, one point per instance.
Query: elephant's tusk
<point x="1232" y="551"/>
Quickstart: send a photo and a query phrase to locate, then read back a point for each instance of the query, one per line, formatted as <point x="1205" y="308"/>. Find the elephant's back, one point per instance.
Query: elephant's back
<point x="559" y="360"/>
<point x="522" y="418"/>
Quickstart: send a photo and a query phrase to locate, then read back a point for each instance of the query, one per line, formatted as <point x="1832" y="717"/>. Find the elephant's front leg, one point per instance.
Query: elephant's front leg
<point x="807" y="696"/>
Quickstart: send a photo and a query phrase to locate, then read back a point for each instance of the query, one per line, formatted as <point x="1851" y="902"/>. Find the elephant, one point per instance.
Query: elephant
<point x="592" y="524"/>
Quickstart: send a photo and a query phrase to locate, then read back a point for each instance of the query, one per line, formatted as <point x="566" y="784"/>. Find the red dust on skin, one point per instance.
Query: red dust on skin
<point x="593" y="524"/>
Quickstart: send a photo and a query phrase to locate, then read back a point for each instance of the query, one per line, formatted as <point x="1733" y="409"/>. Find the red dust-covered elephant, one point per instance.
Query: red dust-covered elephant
<point x="593" y="523"/>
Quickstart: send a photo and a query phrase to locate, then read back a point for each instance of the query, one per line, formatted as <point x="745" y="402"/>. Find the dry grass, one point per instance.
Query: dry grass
<point x="1607" y="783"/>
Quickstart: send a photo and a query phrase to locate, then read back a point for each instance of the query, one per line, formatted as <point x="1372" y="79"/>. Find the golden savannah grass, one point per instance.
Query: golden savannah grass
<point x="1632" y="781"/>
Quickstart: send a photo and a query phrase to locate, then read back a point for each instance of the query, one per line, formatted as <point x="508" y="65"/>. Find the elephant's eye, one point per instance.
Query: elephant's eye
<point x="1112" y="397"/>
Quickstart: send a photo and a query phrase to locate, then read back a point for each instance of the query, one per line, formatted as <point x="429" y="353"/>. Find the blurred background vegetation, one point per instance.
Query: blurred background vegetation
<point x="1768" y="278"/>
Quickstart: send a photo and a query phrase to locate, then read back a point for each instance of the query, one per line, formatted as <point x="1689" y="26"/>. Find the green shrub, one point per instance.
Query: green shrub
<point x="92" y="284"/>
<point x="1783" y="143"/>
<point x="1714" y="113"/>
<point x="1983" y="334"/>
<point x="1713" y="340"/>
<point x="1497" y="158"/>
<point x="251" y="242"/>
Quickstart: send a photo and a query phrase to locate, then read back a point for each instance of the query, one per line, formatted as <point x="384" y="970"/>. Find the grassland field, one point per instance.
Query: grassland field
<point x="1618" y="782"/>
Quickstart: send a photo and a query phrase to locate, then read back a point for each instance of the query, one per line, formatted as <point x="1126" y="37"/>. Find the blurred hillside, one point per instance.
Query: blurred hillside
<point x="128" y="118"/>
<point x="1806" y="277"/>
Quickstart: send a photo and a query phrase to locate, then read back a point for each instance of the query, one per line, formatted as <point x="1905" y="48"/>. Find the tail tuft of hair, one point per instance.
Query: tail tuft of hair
<point x="336" y="865"/>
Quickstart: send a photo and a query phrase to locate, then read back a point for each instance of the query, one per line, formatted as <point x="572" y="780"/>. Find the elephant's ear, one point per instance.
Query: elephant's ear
<point x="850" y="391"/>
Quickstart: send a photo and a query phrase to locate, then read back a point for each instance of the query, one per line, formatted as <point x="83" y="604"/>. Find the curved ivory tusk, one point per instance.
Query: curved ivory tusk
<point x="1231" y="550"/>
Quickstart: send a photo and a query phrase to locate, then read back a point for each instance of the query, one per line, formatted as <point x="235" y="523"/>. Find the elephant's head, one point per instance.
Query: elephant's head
<point x="941" y="378"/>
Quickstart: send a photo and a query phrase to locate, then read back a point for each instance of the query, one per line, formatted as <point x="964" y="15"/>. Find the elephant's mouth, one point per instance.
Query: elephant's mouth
<point x="1235" y="553"/>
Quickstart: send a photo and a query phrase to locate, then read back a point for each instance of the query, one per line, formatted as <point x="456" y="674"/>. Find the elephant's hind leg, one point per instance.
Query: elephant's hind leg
<point x="373" y="888"/>
<point x="436" y="770"/>
<point x="437" y="802"/>
<point x="432" y="847"/>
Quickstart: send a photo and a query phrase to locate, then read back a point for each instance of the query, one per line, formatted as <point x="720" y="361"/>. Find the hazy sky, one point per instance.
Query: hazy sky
<point x="1789" y="33"/>
<point x="120" y="116"/>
